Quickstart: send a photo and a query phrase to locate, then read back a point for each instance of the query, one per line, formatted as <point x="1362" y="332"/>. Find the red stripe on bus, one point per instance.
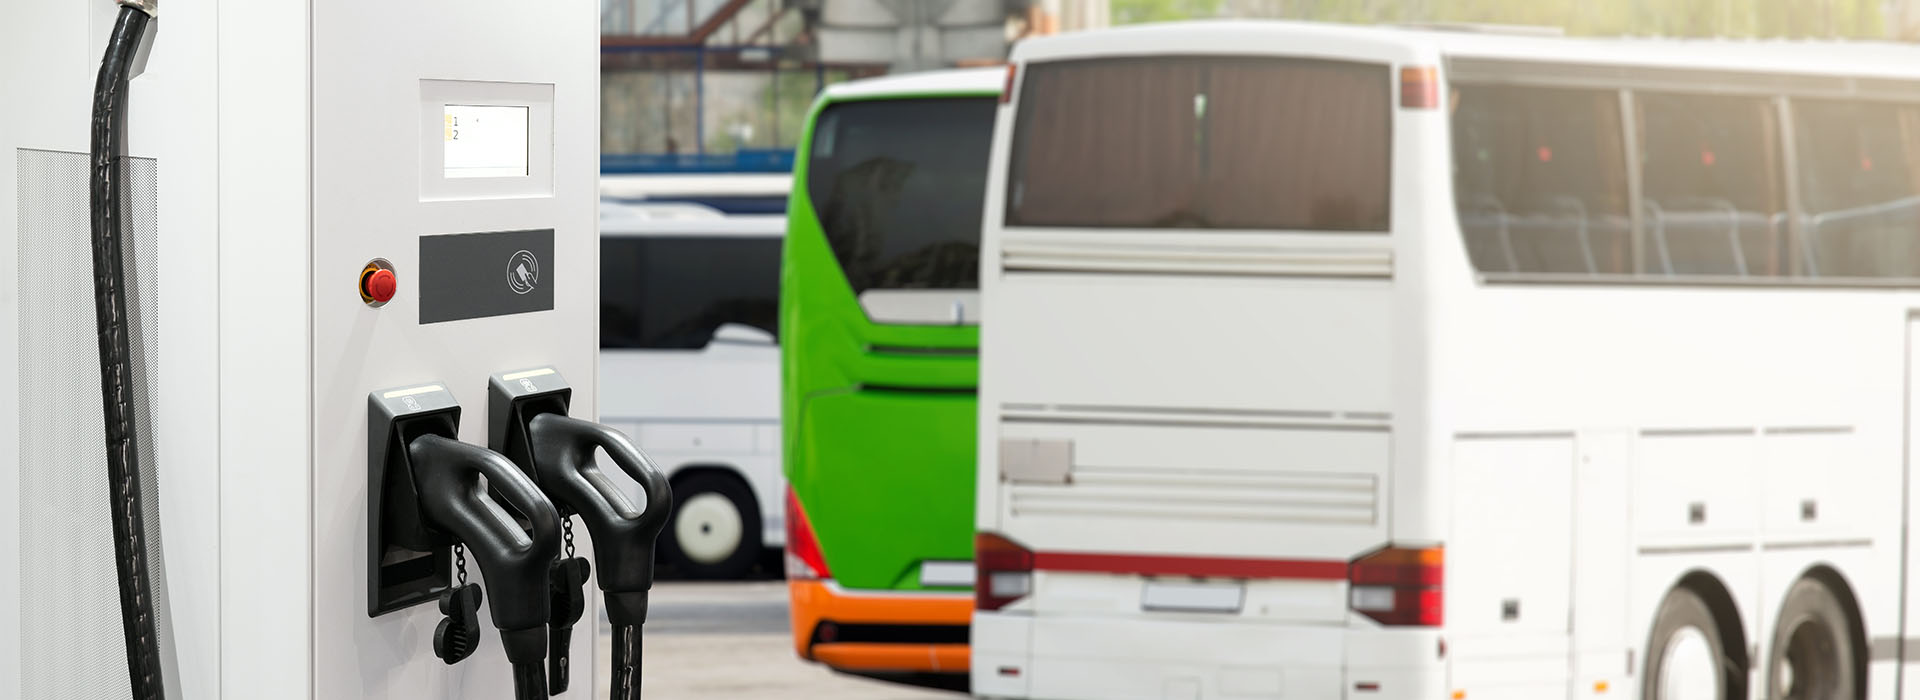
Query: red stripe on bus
<point x="1229" y="567"/>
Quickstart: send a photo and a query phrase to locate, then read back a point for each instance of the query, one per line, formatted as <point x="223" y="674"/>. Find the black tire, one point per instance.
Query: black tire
<point x="698" y="489"/>
<point x="1812" y="657"/>
<point x="1680" y="614"/>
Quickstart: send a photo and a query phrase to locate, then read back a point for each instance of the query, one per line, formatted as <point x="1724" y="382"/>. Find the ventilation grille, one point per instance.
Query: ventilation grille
<point x="69" y="599"/>
<point x="1204" y="494"/>
<point x="1023" y="254"/>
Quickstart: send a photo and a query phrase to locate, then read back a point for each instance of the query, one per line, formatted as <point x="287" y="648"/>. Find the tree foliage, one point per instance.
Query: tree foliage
<point x="1692" y="18"/>
<point x="1139" y="11"/>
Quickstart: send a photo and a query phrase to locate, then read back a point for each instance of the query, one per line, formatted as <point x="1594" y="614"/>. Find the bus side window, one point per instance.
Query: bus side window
<point x="673" y="292"/>
<point x="1859" y="199"/>
<point x="1712" y="200"/>
<point x="1540" y="179"/>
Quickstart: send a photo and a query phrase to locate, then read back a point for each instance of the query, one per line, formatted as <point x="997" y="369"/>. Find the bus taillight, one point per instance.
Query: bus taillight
<point x="1419" y="87"/>
<point x="804" y="561"/>
<point x="1399" y="586"/>
<point x="1003" y="571"/>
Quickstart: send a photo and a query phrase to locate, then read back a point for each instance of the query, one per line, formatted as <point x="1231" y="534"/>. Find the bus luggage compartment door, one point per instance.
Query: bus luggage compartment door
<point x="1509" y="571"/>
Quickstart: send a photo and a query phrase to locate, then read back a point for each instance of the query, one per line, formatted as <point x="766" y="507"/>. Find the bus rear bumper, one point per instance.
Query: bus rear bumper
<point x="879" y="631"/>
<point x="1070" y="657"/>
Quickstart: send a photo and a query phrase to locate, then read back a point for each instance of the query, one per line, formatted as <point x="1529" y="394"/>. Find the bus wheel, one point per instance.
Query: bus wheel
<point x="715" y="531"/>
<point x="1813" y="654"/>
<point x="1685" y="651"/>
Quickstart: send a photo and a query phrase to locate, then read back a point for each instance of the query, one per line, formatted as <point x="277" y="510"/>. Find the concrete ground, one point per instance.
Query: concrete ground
<point x="730" y="640"/>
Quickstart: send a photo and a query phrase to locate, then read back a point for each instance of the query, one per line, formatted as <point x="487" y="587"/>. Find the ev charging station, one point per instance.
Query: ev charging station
<point x="341" y="310"/>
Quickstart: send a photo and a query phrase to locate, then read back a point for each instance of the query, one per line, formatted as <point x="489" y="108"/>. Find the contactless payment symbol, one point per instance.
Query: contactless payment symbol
<point x="523" y="272"/>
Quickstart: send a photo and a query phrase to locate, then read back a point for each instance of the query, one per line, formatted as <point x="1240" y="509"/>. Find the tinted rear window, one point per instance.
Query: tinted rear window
<point x="670" y="292"/>
<point x="1202" y="142"/>
<point x="898" y="186"/>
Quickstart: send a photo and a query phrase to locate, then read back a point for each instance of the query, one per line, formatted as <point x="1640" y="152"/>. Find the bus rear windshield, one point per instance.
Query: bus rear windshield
<point x="1218" y="142"/>
<point x="898" y="186"/>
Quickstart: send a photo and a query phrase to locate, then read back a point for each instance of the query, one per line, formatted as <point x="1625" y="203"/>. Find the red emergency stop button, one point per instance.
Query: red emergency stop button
<point x="377" y="285"/>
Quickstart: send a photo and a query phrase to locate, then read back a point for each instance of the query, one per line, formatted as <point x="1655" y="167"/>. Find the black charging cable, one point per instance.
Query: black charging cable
<point x="626" y="662"/>
<point x="116" y="365"/>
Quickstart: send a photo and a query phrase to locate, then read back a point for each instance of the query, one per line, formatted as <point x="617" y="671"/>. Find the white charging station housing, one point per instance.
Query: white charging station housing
<point x="280" y="147"/>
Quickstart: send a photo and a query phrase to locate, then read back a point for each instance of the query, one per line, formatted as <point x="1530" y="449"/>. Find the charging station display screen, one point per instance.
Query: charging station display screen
<point x="486" y="141"/>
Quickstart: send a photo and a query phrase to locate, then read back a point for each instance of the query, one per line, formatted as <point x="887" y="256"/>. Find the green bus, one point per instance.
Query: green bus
<point x="879" y="308"/>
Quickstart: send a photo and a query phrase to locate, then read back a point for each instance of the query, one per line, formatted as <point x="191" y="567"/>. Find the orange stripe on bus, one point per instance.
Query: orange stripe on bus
<point x="1172" y="565"/>
<point x="814" y="601"/>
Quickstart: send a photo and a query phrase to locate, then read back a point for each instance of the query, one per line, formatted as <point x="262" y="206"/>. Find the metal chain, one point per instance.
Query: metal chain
<point x="566" y="532"/>
<point x="460" y="562"/>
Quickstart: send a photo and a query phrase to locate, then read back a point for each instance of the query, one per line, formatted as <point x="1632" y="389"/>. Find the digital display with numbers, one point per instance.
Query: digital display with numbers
<point x="486" y="141"/>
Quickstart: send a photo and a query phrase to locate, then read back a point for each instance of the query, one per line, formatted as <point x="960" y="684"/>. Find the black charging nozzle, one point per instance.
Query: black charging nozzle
<point x="528" y="422"/>
<point x="428" y="492"/>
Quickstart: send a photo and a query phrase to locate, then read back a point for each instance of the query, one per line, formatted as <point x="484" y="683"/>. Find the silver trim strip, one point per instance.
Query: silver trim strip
<point x="1697" y="432"/>
<point x="1808" y="430"/>
<point x="1178" y="410"/>
<point x="1192" y="423"/>
<point x="1859" y="543"/>
<point x="1275" y="413"/>
<point x="1696" y="549"/>
<point x="1514" y="435"/>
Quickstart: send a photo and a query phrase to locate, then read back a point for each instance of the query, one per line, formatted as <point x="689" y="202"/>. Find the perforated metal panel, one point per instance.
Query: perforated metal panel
<point x="70" y="613"/>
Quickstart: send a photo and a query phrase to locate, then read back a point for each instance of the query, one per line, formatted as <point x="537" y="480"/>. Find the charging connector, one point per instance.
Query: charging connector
<point x="151" y="7"/>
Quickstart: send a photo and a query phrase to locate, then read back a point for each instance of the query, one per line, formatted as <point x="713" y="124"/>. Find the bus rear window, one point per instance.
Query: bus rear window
<point x="1203" y="143"/>
<point x="898" y="186"/>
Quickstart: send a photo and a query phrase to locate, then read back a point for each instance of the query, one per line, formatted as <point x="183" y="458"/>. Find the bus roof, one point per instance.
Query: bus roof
<point x="681" y="186"/>
<point x="960" y="81"/>
<point x="747" y="226"/>
<point x="1871" y="59"/>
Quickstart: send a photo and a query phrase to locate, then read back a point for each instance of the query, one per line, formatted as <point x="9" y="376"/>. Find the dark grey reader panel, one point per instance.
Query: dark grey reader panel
<point x="477" y="275"/>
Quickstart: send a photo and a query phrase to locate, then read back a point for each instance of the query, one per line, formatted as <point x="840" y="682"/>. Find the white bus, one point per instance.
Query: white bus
<point x="690" y="368"/>
<point x="1336" y="362"/>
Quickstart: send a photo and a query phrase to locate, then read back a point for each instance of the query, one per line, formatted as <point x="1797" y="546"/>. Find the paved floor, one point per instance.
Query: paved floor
<point x="730" y="640"/>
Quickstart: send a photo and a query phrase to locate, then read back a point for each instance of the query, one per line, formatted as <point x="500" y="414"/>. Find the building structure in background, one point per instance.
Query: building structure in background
<point x="725" y="85"/>
<point x="914" y="35"/>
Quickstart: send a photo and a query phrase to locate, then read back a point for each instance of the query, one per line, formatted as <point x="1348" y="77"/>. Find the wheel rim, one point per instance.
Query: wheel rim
<point x="1688" y="670"/>
<point x="1809" y="668"/>
<point x="708" y="528"/>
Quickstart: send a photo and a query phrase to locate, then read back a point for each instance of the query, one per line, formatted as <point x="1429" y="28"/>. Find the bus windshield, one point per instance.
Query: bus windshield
<point x="898" y="187"/>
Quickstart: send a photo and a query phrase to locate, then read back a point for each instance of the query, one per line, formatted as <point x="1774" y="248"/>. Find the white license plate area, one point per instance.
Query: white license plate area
<point x="946" y="574"/>
<point x="1193" y="597"/>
